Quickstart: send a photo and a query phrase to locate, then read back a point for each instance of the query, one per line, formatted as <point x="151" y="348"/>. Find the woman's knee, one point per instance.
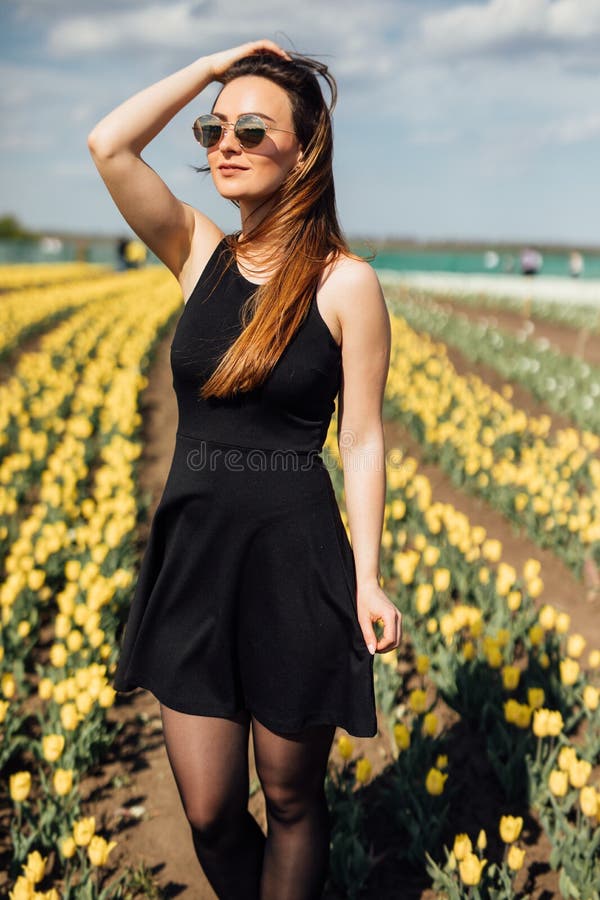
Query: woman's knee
<point x="213" y="824"/>
<point x="289" y="805"/>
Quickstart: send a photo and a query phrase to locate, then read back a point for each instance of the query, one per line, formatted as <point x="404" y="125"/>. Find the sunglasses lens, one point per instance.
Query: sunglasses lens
<point x="250" y="130"/>
<point x="207" y="130"/>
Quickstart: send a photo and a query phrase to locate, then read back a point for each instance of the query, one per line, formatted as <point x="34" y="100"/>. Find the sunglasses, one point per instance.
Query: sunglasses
<point x="249" y="129"/>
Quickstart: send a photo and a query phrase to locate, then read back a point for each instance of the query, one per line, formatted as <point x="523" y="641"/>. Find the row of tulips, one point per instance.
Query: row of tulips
<point x="512" y="673"/>
<point x="571" y="315"/>
<point x="67" y="572"/>
<point x="543" y="479"/>
<point x="31" y="310"/>
<point x="568" y="384"/>
<point x="16" y="276"/>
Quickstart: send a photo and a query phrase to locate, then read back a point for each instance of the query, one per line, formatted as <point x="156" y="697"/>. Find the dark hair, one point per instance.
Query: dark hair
<point x="301" y="228"/>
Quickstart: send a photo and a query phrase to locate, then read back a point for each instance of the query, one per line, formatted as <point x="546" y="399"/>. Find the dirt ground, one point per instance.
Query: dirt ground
<point x="134" y="795"/>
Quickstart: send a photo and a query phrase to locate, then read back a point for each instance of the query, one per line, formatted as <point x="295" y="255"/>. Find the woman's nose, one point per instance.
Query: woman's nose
<point x="228" y="139"/>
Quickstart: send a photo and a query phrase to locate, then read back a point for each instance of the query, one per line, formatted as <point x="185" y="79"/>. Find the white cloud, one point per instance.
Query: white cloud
<point x="573" y="130"/>
<point x="511" y="25"/>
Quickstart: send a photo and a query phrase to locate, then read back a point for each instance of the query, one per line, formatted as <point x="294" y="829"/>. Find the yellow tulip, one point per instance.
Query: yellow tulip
<point x="494" y="657"/>
<point x="345" y="746"/>
<point x="401" y="736"/>
<point x="515" y="858"/>
<point x="72" y="569"/>
<point x="84" y="702"/>
<point x="566" y="757"/>
<point x="594" y="659"/>
<point x="52" y="894"/>
<point x="20" y="786"/>
<point x="513" y="600"/>
<point x="363" y="770"/>
<point x="510" y="677"/>
<point x="83" y="829"/>
<point x="68" y="847"/>
<point x="98" y="850"/>
<point x="569" y="671"/>
<point x="536" y="635"/>
<point x="462" y="846"/>
<point x="430" y="724"/>
<point x="469" y="650"/>
<point x="563" y="622"/>
<point x="23" y="889"/>
<point x="531" y="568"/>
<point x="35" y="867"/>
<point x="441" y="579"/>
<point x="63" y="781"/>
<point x="558" y="782"/>
<point x="510" y="828"/>
<point x="417" y="700"/>
<point x="434" y="782"/>
<point x="547" y="617"/>
<point x="535" y="587"/>
<point x="423" y="598"/>
<point x="45" y="688"/>
<point x="470" y="869"/>
<point x="535" y="697"/>
<point x="69" y="716"/>
<point x="588" y="800"/>
<point x="441" y="761"/>
<point x="23" y="628"/>
<point x="422" y="664"/>
<point x="52" y="746"/>
<point x="591" y="697"/>
<point x="554" y="723"/>
<point x="8" y="685"/>
<point x="58" y="655"/>
<point x="575" y="645"/>
<point x="4" y="705"/>
<point x="431" y="555"/>
<point x="491" y="549"/>
<point x="481" y="840"/>
<point x="579" y="772"/>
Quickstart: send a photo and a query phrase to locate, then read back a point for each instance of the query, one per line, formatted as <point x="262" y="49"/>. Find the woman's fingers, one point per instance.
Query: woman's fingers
<point x="223" y="60"/>
<point x="392" y="630"/>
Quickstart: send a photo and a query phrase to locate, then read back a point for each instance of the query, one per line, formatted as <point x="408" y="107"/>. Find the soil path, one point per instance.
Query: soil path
<point x="137" y="779"/>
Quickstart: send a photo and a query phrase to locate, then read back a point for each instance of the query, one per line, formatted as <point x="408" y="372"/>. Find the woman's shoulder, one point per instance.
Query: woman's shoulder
<point x="345" y="279"/>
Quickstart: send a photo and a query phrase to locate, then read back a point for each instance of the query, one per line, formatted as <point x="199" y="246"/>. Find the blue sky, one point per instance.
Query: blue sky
<point x="484" y="116"/>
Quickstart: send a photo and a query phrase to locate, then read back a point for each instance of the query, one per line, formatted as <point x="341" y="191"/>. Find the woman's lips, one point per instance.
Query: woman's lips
<point x="226" y="168"/>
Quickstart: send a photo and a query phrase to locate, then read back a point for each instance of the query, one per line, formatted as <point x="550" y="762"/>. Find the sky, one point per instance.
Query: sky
<point x="476" y="120"/>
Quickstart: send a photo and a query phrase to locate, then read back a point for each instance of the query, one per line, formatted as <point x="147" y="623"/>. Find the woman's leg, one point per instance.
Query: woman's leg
<point x="209" y="759"/>
<point x="292" y="769"/>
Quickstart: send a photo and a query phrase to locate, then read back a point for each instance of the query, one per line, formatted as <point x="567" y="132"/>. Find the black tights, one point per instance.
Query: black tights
<point x="209" y="759"/>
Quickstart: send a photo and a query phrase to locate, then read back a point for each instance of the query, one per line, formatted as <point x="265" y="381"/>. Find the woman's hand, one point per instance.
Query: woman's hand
<point x="221" y="61"/>
<point x="372" y="604"/>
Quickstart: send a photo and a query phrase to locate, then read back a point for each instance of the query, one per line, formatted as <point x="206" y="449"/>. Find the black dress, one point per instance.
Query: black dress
<point x="246" y="596"/>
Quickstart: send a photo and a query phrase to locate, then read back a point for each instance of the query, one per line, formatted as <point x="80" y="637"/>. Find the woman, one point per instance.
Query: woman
<point x="251" y="605"/>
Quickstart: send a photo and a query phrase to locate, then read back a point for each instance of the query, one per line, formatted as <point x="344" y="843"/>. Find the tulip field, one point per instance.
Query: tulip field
<point x="484" y="778"/>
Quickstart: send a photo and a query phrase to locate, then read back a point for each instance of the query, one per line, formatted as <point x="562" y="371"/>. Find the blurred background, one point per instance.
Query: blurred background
<point x="466" y="133"/>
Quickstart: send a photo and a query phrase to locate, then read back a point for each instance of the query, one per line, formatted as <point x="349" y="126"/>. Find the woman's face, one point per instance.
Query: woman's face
<point x="256" y="173"/>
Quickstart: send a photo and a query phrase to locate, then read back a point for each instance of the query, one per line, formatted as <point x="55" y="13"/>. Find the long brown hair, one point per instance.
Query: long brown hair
<point x="301" y="228"/>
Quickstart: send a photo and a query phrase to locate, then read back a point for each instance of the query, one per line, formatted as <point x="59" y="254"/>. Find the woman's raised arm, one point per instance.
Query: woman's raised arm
<point x="162" y="221"/>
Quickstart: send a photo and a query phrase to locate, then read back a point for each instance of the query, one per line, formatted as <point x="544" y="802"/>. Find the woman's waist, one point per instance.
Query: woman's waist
<point x="255" y="456"/>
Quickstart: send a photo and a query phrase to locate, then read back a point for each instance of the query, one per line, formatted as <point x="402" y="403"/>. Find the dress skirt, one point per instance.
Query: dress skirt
<point x="246" y="595"/>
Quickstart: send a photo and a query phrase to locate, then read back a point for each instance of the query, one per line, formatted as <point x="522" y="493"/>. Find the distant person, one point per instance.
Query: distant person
<point x="576" y="263"/>
<point x="121" y="247"/>
<point x="531" y="261"/>
<point x="135" y="254"/>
